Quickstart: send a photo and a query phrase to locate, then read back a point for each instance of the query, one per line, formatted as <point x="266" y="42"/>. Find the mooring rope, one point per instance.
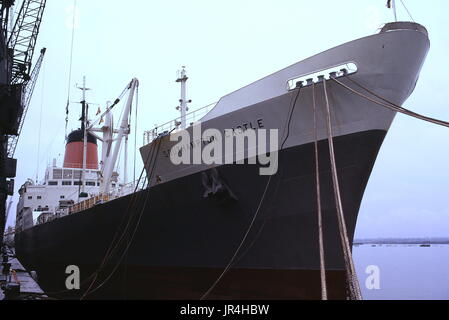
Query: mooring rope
<point x="130" y="203"/>
<point x="134" y="231"/>
<point x="286" y="133"/>
<point x="388" y="104"/>
<point x="113" y="247"/>
<point x="318" y="199"/>
<point x="354" y="288"/>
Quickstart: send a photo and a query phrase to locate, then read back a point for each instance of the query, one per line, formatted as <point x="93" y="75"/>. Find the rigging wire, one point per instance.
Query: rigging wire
<point x="116" y="101"/>
<point x="256" y="213"/>
<point x="70" y="69"/>
<point x="40" y="123"/>
<point x="50" y="145"/>
<point x="407" y="10"/>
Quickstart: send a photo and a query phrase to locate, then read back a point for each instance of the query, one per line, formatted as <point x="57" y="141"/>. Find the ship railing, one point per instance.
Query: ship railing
<point x="129" y="187"/>
<point x="191" y="117"/>
<point x="89" y="203"/>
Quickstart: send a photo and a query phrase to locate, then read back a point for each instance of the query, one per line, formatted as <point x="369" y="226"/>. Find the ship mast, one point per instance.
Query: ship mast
<point x="391" y="4"/>
<point x="183" y="107"/>
<point x="84" y="115"/>
<point x="394" y="10"/>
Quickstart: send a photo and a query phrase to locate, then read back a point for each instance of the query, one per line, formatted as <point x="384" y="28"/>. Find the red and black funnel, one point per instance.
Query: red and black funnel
<point x="74" y="151"/>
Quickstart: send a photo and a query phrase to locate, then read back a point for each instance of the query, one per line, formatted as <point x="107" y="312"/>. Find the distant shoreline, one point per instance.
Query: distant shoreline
<point x="417" y="241"/>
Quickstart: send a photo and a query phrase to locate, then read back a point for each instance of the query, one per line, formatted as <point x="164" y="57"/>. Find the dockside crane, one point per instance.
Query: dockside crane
<point x="16" y="74"/>
<point x="27" y="95"/>
<point x="20" y="45"/>
<point x="22" y="39"/>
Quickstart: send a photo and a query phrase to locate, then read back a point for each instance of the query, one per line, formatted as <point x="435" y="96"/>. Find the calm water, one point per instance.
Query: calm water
<point x="405" y="271"/>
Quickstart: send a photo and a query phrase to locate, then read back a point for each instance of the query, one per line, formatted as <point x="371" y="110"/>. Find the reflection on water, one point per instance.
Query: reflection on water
<point x="405" y="271"/>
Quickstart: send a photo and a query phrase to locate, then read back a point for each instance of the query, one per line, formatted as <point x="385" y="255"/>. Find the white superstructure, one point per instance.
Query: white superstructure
<point x="59" y="191"/>
<point x="81" y="182"/>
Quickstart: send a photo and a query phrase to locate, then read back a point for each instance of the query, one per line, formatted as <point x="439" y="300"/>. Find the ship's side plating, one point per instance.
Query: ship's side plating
<point x="184" y="240"/>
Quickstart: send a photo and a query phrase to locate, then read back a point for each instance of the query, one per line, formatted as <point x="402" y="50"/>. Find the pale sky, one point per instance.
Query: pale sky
<point x="226" y="45"/>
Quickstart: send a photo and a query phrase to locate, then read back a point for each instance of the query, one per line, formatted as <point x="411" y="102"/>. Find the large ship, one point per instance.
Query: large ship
<point x="224" y="230"/>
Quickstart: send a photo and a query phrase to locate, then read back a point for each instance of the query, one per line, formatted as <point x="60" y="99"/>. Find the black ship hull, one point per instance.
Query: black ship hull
<point x="176" y="238"/>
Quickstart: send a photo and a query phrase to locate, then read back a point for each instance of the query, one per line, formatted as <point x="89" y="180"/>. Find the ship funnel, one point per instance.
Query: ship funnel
<point x="73" y="157"/>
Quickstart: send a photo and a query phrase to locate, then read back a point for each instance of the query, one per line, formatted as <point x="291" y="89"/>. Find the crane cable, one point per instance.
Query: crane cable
<point x="70" y="69"/>
<point x="353" y="284"/>
<point x="318" y="195"/>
